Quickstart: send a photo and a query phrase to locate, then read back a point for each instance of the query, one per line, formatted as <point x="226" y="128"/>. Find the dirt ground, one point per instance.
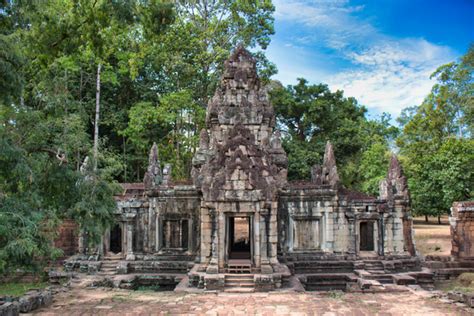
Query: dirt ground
<point x="432" y="238"/>
<point x="122" y="302"/>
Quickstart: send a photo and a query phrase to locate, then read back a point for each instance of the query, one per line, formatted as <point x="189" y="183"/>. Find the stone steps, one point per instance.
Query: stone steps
<point x="304" y="267"/>
<point x="239" y="290"/>
<point x="328" y="281"/>
<point x="239" y="283"/>
<point x="109" y="266"/>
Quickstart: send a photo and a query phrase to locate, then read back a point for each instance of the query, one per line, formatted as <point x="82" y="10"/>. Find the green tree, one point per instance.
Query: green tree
<point x="312" y="114"/>
<point x="437" y="141"/>
<point x="175" y="123"/>
<point x="373" y="166"/>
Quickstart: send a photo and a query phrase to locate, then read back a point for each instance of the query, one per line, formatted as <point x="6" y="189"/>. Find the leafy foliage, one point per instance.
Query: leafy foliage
<point x="312" y="114"/>
<point x="437" y="141"/>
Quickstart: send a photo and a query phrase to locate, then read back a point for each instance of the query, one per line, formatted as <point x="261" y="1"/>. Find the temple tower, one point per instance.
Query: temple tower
<point x="239" y="168"/>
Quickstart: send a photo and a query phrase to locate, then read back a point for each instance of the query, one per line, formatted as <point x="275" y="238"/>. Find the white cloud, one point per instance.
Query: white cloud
<point x="332" y="21"/>
<point x="392" y="74"/>
<point x="384" y="73"/>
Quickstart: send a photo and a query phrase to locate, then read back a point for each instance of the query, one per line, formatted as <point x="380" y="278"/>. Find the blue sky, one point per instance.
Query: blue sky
<point x="381" y="52"/>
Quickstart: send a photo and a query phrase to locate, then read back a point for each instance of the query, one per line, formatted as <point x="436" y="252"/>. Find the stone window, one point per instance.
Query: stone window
<point x="306" y="234"/>
<point x="175" y="234"/>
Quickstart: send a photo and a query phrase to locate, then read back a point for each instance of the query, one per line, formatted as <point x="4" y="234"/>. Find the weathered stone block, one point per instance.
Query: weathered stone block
<point x="9" y="309"/>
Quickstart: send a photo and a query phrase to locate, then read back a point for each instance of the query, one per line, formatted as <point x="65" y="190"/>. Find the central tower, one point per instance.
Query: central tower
<point x="239" y="168"/>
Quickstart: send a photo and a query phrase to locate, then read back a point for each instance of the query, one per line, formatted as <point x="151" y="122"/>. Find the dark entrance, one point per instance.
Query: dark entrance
<point x="366" y="236"/>
<point x="116" y="239"/>
<point x="239" y="237"/>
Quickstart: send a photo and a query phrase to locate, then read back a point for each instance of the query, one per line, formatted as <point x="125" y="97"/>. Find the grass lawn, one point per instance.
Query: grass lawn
<point x="464" y="284"/>
<point x="19" y="288"/>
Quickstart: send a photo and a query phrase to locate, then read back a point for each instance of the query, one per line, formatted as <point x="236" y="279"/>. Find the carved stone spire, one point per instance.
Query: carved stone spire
<point x="240" y="157"/>
<point x="239" y="97"/>
<point x="327" y="173"/>
<point x="153" y="176"/>
<point x="395" y="185"/>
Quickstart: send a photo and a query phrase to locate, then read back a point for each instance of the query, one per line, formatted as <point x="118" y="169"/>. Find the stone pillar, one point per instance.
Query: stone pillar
<point x="159" y="232"/>
<point x="81" y="243"/>
<point x="351" y="249"/>
<point x="129" y="236"/>
<point x="264" y="230"/>
<point x="220" y="242"/>
<point x="107" y="241"/>
<point x="191" y="236"/>
<point x="213" y="267"/>
<point x="273" y="234"/>
<point x="291" y="227"/>
<point x="462" y="230"/>
<point x="256" y="236"/>
<point x="206" y="235"/>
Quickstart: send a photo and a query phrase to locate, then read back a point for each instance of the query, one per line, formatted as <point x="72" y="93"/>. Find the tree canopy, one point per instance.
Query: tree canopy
<point x="436" y="142"/>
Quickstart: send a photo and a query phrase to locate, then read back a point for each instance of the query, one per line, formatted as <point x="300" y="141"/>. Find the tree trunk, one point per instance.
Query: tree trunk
<point x="439" y="219"/>
<point x="97" y="112"/>
<point x="124" y="160"/>
<point x="426" y="218"/>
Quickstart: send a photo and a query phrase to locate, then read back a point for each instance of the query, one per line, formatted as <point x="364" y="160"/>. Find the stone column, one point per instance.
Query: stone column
<point x="129" y="236"/>
<point x="273" y="234"/>
<point x="256" y="236"/>
<point x="291" y="227"/>
<point x="191" y="241"/>
<point x="352" y="236"/>
<point x="206" y="235"/>
<point x="264" y="262"/>
<point x="159" y="233"/>
<point x="81" y="242"/>
<point x="213" y="267"/>
<point x="220" y="242"/>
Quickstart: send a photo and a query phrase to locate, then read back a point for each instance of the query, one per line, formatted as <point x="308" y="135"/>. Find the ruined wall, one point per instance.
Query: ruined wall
<point x="68" y="238"/>
<point x="462" y="230"/>
<point x="164" y="219"/>
<point x="394" y="191"/>
<point x="174" y="214"/>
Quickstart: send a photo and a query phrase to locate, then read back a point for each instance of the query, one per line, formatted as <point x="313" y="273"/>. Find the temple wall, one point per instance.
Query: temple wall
<point x="339" y="221"/>
<point x="462" y="229"/>
<point x="307" y="214"/>
<point x="167" y="221"/>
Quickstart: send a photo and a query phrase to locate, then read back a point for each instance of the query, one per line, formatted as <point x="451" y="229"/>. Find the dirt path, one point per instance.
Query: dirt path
<point x="121" y="302"/>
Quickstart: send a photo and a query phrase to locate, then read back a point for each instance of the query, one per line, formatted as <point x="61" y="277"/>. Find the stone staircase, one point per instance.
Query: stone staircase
<point x="109" y="265"/>
<point x="374" y="266"/>
<point x="328" y="281"/>
<point x="239" y="283"/>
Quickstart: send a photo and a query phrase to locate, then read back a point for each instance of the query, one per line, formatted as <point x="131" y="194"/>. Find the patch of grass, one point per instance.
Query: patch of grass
<point x="464" y="284"/>
<point x="336" y="294"/>
<point x="19" y="288"/>
<point x="120" y="298"/>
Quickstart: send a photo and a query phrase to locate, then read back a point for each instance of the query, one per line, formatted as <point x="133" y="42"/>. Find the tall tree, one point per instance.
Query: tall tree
<point x="437" y="141"/>
<point x="310" y="115"/>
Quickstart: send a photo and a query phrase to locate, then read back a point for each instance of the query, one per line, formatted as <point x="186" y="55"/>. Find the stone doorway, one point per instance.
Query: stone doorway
<point x="366" y="239"/>
<point x="116" y="239"/>
<point x="239" y="238"/>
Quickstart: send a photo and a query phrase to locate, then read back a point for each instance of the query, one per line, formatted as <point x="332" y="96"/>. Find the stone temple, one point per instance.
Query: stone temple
<point x="241" y="224"/>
